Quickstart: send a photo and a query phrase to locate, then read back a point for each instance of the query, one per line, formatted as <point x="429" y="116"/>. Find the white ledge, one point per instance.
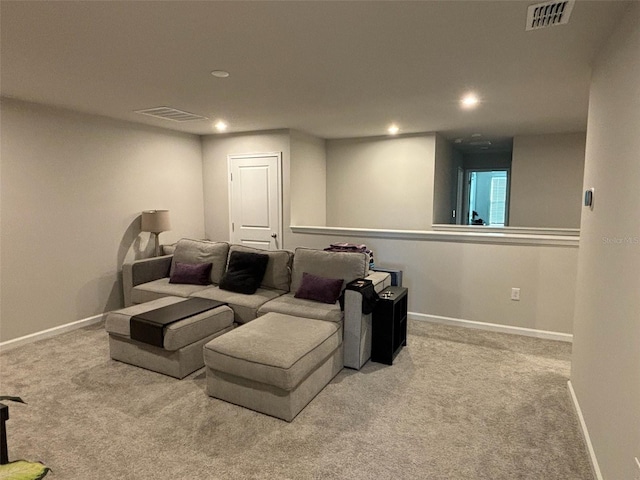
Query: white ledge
<point x="445" y="236"/>
<point x="569" y="232"/>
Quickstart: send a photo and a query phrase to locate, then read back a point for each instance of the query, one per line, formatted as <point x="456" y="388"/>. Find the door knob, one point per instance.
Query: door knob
<point x="274" y="235"/>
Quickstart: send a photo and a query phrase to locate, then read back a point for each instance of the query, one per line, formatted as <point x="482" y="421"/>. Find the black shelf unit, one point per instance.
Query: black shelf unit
<point x="389" y="325"/>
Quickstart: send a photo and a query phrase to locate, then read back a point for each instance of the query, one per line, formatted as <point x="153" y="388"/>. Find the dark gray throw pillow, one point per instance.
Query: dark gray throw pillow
<point x="192" y="273"/>
<point x="320" y="289"/>
<point x="245" y="272"/>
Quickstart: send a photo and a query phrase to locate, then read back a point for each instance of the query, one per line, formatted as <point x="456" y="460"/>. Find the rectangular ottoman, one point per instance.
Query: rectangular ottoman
<point x="181" y="353"/>
<point x="275" y="364"/>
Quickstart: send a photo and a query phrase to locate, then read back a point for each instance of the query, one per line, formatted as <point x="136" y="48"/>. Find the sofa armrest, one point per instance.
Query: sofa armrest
<point x="143" y="271"/>
<point x="381" y="280"/>
<point x="357" y="326"/>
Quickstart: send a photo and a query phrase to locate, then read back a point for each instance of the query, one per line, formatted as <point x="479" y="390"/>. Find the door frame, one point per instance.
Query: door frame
<point x="242" y="156"/>
<point x="460" y="197"/>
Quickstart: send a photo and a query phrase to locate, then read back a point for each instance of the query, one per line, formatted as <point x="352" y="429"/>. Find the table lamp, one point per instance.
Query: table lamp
<point x="156" y="222"/>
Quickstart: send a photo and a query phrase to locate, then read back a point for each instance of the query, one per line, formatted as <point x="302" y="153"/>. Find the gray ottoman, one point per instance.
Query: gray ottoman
<point x="181" y="353"/>
<point x="274" y="364"/>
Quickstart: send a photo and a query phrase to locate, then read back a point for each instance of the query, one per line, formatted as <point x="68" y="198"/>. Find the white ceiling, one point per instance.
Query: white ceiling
<point x="332" y="69"/>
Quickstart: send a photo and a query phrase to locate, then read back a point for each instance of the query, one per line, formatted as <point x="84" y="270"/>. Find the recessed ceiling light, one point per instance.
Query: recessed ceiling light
<point x="221" y="126"/>
<point x="220" y="73"/>
<point x="470" y="100"/>
<point x="458" y="140"/>
<point x="476" y="135"/>
<point x="393" y="129"/>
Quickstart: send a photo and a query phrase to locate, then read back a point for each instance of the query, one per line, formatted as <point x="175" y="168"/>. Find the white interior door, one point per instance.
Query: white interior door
<point x="255" y="200"/>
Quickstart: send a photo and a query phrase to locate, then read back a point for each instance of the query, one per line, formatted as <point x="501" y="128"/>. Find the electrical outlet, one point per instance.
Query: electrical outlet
<point x="515" y="294"/>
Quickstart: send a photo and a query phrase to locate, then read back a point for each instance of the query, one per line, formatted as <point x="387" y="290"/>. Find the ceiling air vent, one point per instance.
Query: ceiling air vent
<point x="480" y="143"/>
<point x="548" y="14"/>
<point x="168" y="113"/>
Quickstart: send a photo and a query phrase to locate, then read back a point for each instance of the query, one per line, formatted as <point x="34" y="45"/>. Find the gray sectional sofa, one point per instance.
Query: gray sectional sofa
<point x="278" y="364"/>
<point x="149" y="279"/>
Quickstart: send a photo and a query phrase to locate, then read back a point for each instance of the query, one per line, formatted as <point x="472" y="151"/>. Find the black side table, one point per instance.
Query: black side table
<point x="4" y="416"/>
<point x="389" y="325"/>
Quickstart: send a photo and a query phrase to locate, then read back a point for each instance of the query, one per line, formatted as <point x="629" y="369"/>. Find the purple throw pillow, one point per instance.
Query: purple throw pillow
<point x="320" y="289"/>
<point x="191" y="273"/>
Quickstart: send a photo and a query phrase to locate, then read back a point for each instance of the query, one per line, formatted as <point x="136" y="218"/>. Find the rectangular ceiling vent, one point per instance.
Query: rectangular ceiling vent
<point x="168" y="113"/>
<point x="548" y="14"/>
<point x="480" y="143"/>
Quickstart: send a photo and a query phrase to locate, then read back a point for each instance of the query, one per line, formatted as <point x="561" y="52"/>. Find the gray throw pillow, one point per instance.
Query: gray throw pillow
<point x="202" y="251"/>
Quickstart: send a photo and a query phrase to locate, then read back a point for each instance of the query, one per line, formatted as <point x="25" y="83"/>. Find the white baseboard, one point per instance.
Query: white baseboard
<point x="492" y="327"/>
<point x="585" y="433"/>
<point x="51" y="332"/>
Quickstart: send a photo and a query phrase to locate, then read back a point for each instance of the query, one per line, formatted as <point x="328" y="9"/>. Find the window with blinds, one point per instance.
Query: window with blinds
<point x="498" y="198"/>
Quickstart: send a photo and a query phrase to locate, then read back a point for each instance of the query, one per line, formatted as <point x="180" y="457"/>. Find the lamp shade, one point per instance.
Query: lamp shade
<point x="155" y="221"/>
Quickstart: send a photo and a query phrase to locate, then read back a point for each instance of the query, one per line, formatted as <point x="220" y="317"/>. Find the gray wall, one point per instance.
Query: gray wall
<point x="215" y="150"/>
<point x="381" y="182"/>
<point x="545" y="185"/>
<point x="605" y="369"/>
<point x="308" y="180"/>
<point x="459" y="280"/>
<point x="487" y="160"/>
<point x="303" y="177"/>
<point x="546" y="180"/>
<point x="472" y="281"/>
<point x="73" y="188"/>
<point x="445" y="181"/>
<point x="83" y="164"/>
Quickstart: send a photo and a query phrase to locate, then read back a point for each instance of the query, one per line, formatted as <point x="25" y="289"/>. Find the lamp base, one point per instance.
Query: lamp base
<point x="157" y="244"/>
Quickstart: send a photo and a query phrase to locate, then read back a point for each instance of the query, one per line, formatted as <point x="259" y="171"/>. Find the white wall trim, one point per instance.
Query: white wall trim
<point x="571" y="232"/>
<point x="494" y="238"/>
<point x="492" y="327"/>
<point x="51" y="332"/>
<point x="585" y="433"/>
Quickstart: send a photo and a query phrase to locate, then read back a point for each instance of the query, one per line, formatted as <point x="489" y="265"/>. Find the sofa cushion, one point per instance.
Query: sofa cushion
<point x="245" y="307"/>
<point x="320" y="289"/>
<point x="177" y="334"/>
<point x="191" y="273"/>
<point x="276" y="349"/>
<point x="278" y="272"/>
<point x="162" y="288"/>
<point x="347" y="266"/>
<point x="244" y="272"/>
<point x="202" y="251"/>
<point x="169" y="249"/>
<point x="300" y="307"/>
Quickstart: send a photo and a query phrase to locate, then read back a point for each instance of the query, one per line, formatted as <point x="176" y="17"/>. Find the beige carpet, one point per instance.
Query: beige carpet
<point x="456" y="404"/>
